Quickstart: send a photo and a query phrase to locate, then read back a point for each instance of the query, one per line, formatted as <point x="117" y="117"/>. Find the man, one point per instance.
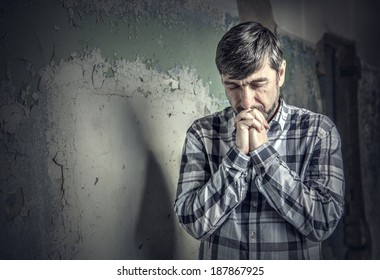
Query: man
<point x="260" y="179"/>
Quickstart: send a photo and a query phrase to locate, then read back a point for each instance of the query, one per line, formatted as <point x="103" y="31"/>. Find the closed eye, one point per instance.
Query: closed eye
<point x="257" y="85"/>
<point x="231" y="85"/>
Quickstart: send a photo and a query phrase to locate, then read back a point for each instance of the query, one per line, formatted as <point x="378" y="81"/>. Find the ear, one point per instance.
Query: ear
<point x="281" y="73"/>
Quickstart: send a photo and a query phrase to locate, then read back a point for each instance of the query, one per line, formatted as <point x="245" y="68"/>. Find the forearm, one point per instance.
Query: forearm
<point x="204" y="201"/>
<point x="313" y="205"/>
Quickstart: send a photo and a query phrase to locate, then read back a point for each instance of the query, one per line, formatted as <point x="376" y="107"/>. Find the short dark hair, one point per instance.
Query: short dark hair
<point x="243" y="49"/>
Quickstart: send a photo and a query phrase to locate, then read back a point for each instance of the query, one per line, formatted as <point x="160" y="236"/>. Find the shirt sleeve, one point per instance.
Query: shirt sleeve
<point x="205" y="200"/>
<point x="315" y="205"/>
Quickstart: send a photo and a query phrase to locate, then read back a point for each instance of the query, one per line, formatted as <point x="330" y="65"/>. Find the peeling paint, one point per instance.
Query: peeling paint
<point x="95" y="101"/>
<point x="301" y="86"/>
<point x="82" y="140"/>
<point x="11" y="205"/>
<point x="11" y="115"/>
<point x="169" y="12"/>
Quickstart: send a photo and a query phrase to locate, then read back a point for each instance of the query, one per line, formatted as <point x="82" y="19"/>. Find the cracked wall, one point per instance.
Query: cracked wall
<point x="109" y="136"/>
<point x="301" y="88"/>
<point x="96" y="98"/>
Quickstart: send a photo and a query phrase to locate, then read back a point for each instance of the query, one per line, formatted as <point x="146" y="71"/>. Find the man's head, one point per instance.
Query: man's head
<point x="252" y="67"/>
<point x="244" y="49"/>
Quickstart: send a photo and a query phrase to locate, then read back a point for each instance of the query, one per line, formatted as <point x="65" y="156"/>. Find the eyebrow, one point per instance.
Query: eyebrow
<point x="230" y="83"/>
<point x="236" y="82"/>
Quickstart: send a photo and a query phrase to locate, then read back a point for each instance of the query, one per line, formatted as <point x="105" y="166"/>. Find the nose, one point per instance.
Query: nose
<point x="247" y="97"/>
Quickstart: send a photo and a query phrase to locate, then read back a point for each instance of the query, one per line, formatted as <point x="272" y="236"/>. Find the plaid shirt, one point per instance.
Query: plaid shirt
<point x="278" y="202"/>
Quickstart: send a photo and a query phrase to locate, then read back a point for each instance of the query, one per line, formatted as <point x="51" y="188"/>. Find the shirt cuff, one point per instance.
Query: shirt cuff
<point x="237" y="159"/>
<point x="262" y="156"/>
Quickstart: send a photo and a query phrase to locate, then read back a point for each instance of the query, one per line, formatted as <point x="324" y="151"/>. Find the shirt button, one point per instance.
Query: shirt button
<point x="253" y="235"/>
<point x="254" y="204"/>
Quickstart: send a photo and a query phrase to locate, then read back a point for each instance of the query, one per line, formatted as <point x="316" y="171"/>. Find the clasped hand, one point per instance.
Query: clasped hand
<point x="251" y="130"/>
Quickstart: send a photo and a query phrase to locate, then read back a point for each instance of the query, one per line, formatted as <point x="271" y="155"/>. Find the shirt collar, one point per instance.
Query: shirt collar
<point x="281" y="115"/>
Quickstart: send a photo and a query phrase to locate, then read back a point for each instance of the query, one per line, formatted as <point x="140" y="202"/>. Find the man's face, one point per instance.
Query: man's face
<point x="260" y="90"/>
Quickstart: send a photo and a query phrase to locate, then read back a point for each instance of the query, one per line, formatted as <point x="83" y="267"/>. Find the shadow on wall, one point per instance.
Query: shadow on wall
<point x="155" y="232"/>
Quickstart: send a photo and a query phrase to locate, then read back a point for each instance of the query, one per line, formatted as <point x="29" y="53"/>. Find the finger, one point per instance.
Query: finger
<point x="257" y="138"/>
<point x="244" y="115"/>
<point x="260" y="117"/>
<point x="242" y="138"/>
<point x="251" y="123"/>
<point x="250" y="114"/>
<point x="255" y="115"/>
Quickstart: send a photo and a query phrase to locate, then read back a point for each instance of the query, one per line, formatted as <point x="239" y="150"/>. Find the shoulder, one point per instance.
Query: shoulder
<point x="218" y="122"/>
<point x="309" y="121"/>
